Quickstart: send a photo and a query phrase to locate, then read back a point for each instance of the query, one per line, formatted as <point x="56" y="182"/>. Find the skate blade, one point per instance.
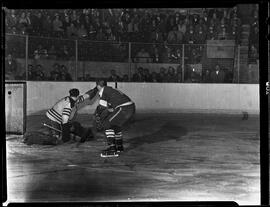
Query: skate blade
<point x="115" y="155"/>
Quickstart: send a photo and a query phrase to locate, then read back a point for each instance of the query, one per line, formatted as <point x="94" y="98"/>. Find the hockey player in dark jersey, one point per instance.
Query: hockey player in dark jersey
<point x="115" y="109"/>
<point x="60" y="116"/>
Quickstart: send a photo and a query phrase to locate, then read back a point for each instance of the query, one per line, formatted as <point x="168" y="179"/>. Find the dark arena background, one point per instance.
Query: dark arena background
<point x="193" y="75"/>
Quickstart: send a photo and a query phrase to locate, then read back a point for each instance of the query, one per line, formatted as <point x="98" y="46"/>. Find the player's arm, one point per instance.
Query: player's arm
<point x="89" y="94"/>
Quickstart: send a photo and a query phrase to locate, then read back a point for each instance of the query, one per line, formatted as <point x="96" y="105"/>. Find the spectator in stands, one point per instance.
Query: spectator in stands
<point x="206" y="78"/>
<point x="162" y="75"/>
<point x="92" y="32"/>
<point x="10" y="68"/>
<point x="223" y="35"/>
<point x="217" y="75"/>
<point x="29" y="23"/>
<point x="167" y="54"/>
<point x="40" y="53"/>
<point x="114" y="77"/>
<point x="52" y="54"/>
<point x="37" y="24"/>
<point x="161" y="22"/>
<point x="194" y="56"/>
<point x="176" y="56"/>
<point x="143" y="56"/>
<point x="147" y="75"/>
<point x="234" y="18"/>
<point x="228" y="75"/>
<point x="191" y="76"/>
<point x="65" y="76"/>
<point x="170" y="23"/>
<point x="72" y="31"/>
<point x="156" y="56"/>
<point x="57" y="26"/>
<point x="172" y="37"/>
<point x="215" y="21"/>
<point x="38" y="73"/>
<point x="125" y="78"/>
<point x="139" y="76"/>
<point x="66" y="24"/>
<point x="200" y="36"/>
<point x="235" y="35"/>
<point x="254" y="37"/>
<point x="88" y="77"/>
<point x="100" y="35"/>
<point x="211" y="35"/>
<point x="205" y="18"/>
<point x="135" y="21"/>
<point x="171" y="75"/>
<point x="73" y="17"/>
<point x="179" y="73"/>
<point x="179" y="36"/>
<point x="200" y="26"/>
<point x="65" y="53"/>
<point x="11" y="20"/>
<point x="253" y="55"/>
<point x="182" y="27"/>
<point x="55" y="72"/>
<point x="82" y="33"/>
<point x="190" y="36"/>
<point x="109" y="35"/>
<point x="154" y="77"/>
<point x="47" y="26"/>
<point x="23" y="23"/>
<point x="30" y="71"/>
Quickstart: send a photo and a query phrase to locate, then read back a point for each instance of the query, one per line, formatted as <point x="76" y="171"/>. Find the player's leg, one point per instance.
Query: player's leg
<point x="110" y="136"/>
<point x="118" y="139"/>
<point x="118" y="120"/>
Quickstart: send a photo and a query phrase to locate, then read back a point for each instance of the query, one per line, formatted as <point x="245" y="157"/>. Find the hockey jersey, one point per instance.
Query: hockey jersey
<point x="113" y="97"/>
<point x="62" y="107"/>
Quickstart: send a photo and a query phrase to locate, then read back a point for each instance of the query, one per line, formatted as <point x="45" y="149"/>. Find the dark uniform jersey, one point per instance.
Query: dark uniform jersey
<point x="113" y="97"/>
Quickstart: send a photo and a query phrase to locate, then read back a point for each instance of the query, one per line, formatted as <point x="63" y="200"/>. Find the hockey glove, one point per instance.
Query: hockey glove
<point x="80" y="99"/>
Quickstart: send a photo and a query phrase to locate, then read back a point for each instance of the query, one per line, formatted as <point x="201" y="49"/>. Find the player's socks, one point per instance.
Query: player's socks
<point x="119" y="142"/>
<point x="111" y="150"/>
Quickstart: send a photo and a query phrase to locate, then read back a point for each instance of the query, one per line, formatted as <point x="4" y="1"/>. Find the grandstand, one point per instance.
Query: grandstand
<point x="180" y="38"/>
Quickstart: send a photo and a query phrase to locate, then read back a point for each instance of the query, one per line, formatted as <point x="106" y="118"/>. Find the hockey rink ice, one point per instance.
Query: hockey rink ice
<point x="168" y="157"/>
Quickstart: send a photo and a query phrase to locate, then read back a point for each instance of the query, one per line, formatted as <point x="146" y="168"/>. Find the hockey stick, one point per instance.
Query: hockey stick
<point x="51" y="127"/>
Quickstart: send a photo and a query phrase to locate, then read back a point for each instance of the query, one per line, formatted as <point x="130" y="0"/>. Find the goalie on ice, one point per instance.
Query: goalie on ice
<point x="59" y="124"/>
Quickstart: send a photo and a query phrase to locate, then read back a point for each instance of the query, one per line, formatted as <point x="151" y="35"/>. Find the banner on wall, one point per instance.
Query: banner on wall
<point x="220" y="48"/>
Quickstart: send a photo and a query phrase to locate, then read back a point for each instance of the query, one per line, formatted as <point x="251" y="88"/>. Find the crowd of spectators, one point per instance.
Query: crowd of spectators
<point x="128" y="25"/>
<point x="174" y="75"/>
<point x="165" y="29"/>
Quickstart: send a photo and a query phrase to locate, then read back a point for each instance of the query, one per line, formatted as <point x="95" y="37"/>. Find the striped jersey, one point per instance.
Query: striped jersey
<point x="60" y="109"/>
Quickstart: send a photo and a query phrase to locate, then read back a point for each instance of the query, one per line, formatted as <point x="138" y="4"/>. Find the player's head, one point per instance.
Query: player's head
<point x="74" y="92"/>
<point x="101" y="83"/>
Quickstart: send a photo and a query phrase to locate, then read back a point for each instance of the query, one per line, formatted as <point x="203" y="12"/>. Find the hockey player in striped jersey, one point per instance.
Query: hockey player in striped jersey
<point x="60" y="116"/>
